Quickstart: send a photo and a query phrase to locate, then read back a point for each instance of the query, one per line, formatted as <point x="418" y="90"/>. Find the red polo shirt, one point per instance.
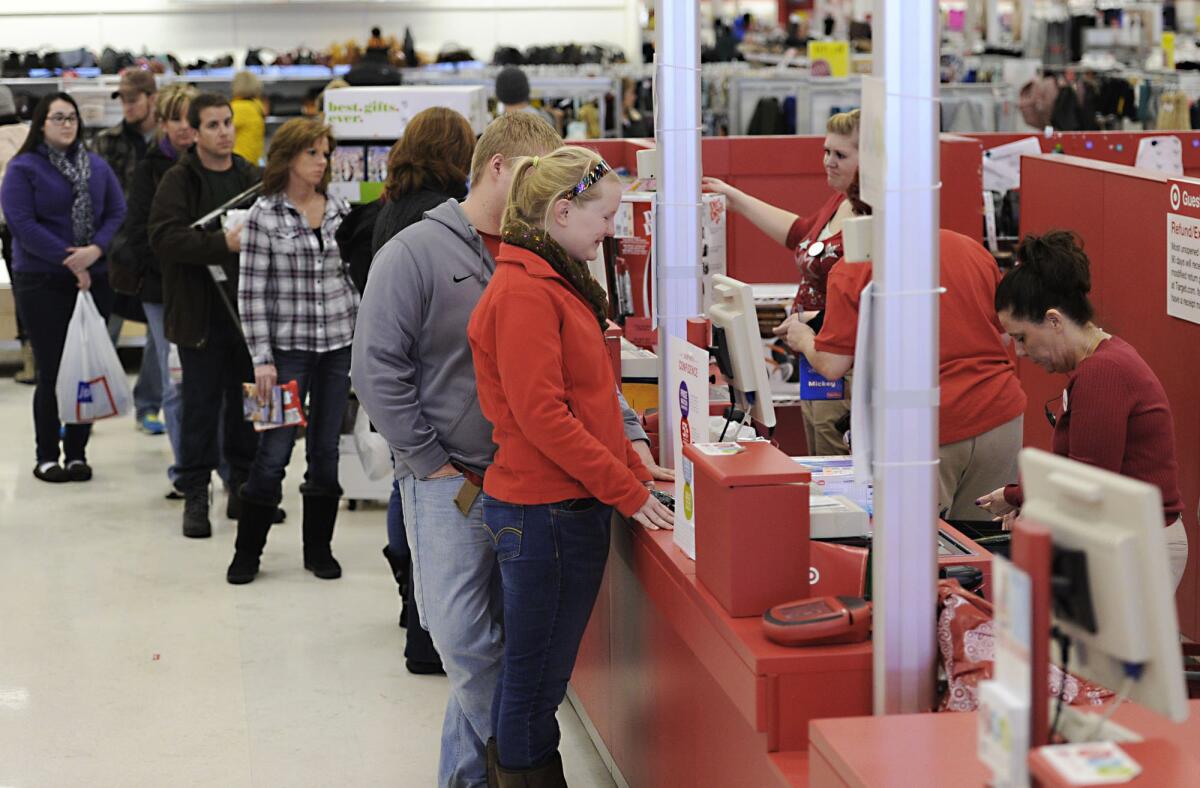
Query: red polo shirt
<point x="978" y="379"/>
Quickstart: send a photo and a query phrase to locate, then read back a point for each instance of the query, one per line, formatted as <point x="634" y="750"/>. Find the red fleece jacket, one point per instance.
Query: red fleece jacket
<point x="546" y="384"/>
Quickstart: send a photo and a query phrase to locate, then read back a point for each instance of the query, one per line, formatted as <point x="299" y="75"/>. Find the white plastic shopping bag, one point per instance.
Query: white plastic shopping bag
<point x="91" y="382"/>
<point x="372" y="448"/>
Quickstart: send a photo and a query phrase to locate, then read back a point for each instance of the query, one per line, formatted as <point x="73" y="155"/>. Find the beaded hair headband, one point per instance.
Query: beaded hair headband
<point x="597" y="172"/>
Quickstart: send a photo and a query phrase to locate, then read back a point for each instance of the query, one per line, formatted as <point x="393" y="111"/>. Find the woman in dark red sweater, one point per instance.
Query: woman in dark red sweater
<point x="1114" y="411"/>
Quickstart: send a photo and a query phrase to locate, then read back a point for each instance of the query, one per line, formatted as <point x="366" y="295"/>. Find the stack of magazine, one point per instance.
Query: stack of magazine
<point x="282" y="408"/>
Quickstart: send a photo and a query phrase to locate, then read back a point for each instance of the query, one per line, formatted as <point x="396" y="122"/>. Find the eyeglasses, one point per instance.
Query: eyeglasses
<point x="1050" y="417"/>
<point x="596" y="173"/>
<point x="63" y="120"/>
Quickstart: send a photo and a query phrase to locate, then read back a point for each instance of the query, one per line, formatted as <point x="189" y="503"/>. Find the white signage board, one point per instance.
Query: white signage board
<point x="382" y="113"/>
<point x="687" y="386"/>
<point x="1183" y="250"/>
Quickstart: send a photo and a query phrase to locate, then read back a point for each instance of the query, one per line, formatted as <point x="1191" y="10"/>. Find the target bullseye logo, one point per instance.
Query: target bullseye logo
<point x="1175" y="198"/>
<point x="814" y="576"/>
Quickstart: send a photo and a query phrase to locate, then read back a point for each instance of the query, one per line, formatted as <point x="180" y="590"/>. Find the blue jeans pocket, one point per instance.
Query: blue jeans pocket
<point x="505" y="526"/>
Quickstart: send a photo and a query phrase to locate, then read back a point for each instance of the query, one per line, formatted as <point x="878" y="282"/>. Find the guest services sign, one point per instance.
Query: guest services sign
<point x="1183" y="250"/>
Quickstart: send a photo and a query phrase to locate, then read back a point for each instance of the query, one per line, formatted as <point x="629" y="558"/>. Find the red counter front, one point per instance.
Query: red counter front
<point x="682" y="694"/>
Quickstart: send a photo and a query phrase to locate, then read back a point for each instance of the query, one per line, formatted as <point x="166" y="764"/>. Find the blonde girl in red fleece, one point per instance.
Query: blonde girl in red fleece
<point x="563" y="463"/>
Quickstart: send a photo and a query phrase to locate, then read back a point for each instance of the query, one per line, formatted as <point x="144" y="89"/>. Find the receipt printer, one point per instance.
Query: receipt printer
<point x="836" y="517"/>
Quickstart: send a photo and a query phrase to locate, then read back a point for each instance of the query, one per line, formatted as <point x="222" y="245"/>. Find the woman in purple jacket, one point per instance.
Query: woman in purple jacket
<point x="63" y="206"/>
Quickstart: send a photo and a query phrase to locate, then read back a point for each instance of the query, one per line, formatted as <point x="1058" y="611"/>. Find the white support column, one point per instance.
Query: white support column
<point x="678" y="205"/>
<point x="905" y="358"/>
<point x="991" y="19"/>
<point x="633" y="31"/>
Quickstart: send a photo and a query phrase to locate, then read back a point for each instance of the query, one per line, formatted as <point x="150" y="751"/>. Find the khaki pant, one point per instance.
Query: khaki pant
<point x="1177" y="550"/>
<point x="820" y="416"/>
<point x="972" y="468"/>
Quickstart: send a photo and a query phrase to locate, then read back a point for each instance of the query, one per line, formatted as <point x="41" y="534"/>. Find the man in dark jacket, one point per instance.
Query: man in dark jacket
<point x="200" y="273"/>
<point x="124" y="146"/>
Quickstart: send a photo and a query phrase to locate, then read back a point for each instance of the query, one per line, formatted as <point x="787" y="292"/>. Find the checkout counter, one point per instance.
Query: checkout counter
<point x="675" y="680"/>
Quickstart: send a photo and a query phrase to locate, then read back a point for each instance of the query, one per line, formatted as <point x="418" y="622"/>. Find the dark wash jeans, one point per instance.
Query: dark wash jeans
<point x="552" y="560"/>
<point x="45" y="303"/>
<point x="213" y="376"/>
<point x="324" y="381"/>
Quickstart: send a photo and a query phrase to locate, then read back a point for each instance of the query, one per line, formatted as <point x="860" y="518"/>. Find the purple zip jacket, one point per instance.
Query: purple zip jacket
<point x="37" y="207"/>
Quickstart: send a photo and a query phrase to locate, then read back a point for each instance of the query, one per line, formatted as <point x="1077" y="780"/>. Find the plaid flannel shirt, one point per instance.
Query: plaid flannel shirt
<point x="291" y="294"/>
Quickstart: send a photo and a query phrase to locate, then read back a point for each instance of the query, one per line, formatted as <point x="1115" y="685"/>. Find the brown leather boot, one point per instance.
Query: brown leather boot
<point x="493" y="764"/>
<point x="28" y="373"/>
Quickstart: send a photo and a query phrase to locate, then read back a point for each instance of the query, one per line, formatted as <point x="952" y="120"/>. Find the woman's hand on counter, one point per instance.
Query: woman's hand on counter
<point x="660" y="474"/>
<point x="998" y="505"/>
<point x="654" y="516"/>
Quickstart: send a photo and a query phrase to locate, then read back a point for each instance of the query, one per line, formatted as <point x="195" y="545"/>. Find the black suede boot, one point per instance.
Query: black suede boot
<point x="320" y="513"/>
<point x="548" y="775"/>
<point x="252" y="529"/>
<point x="195" y="514"/>
<point x="233" y="508"/>
<point x="399" y="571"/>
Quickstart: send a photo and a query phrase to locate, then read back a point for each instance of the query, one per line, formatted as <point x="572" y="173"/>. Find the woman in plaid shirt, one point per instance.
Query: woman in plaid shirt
<point x="297" y="306"/>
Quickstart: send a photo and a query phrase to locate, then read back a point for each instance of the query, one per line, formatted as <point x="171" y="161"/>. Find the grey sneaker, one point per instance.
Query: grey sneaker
<point x="195" y="515"/>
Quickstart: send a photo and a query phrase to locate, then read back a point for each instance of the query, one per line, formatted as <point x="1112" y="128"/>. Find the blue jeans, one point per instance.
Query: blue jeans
<point x="552" y="560"/>
<point x="172" y="399"/>
<point x="457" y="587"/>
<point x="148" y="390"/>
<point x="324" y="382"/>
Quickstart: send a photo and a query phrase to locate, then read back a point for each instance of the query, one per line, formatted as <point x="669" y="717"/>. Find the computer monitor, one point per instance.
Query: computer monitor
<point x="739" y="348"/>
<point x="1110" y="578"/>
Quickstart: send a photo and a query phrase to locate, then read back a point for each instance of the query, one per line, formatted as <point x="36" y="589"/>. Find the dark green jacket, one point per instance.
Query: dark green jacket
<point x="122" y="147"/>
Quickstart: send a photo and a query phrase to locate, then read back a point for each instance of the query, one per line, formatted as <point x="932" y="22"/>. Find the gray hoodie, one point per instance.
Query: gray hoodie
<point x="412" y="367"/>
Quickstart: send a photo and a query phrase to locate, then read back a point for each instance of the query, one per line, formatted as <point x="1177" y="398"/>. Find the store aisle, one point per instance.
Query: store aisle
<point x="126" y="660"/>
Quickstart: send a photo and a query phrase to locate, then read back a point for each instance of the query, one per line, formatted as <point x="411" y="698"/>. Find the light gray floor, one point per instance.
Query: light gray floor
<point x="126" y="660"/>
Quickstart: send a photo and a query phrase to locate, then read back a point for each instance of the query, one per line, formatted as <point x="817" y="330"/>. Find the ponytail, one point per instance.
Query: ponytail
<point x="1052" y="272"/>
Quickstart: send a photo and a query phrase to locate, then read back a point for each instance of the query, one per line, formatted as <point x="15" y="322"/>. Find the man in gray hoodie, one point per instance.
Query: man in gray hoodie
<point x="412" y="371"/>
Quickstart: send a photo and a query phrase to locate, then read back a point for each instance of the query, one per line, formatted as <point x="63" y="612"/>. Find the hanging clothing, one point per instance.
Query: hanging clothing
<point x="1174" y="112"/>
<point x="767" y="118"/>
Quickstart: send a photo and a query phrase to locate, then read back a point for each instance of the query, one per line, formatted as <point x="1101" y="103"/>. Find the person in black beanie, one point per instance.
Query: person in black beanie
<point x="512" y="91"/>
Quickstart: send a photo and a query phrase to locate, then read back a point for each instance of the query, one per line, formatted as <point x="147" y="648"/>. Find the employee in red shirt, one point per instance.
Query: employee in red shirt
<point x="563" y="462"/>
<point x="980" y="422"/>
<point x="1114" y="413"/>
<point x="817" y="241"/>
